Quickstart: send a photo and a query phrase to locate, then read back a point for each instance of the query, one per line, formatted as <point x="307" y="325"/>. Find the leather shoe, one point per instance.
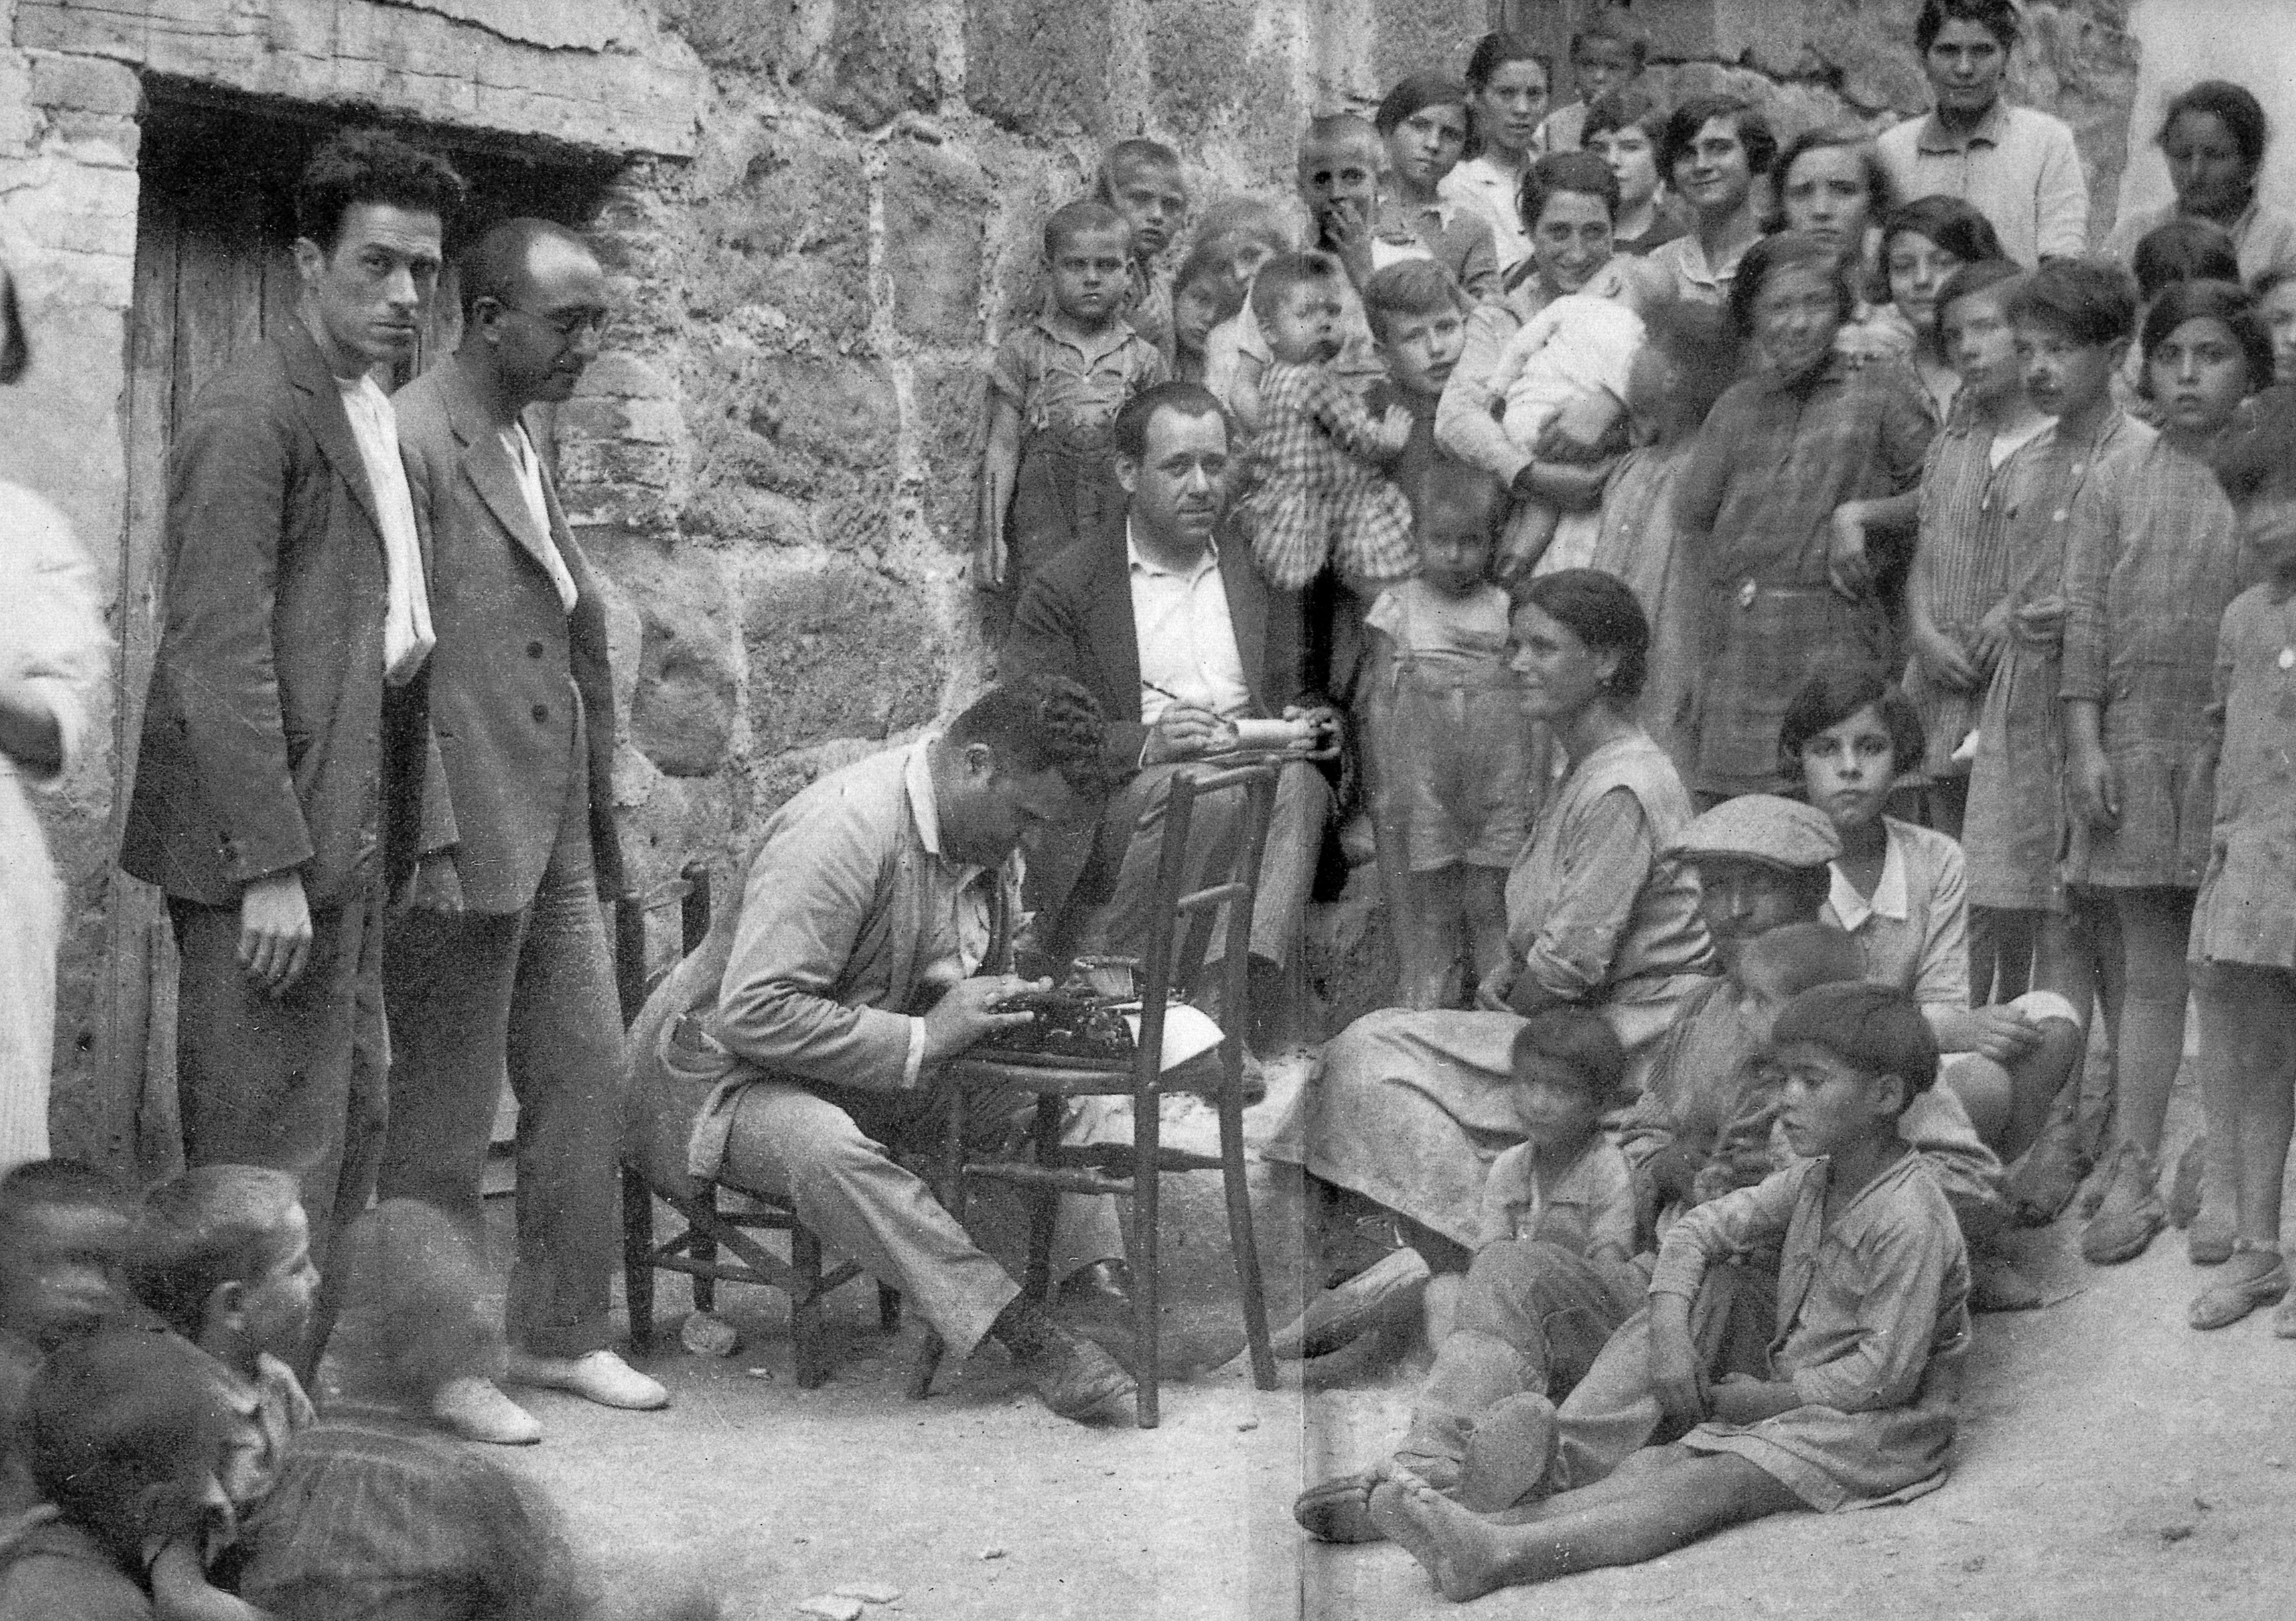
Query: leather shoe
<point x="1072" y="1376"/>
<point x="1100" y="1289"/>
<point x="2130" y="1215"/>
<point x="2229" y="1299"/>
<point x="597" y="1376"/>
<point x="474" y="1409"/>
<point x="1340" y="1315"/>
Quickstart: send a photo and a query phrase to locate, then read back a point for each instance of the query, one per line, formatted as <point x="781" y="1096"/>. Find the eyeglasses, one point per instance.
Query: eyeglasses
<point x="572" y="324"/>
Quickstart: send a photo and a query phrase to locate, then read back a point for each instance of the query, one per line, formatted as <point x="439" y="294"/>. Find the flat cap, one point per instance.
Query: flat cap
<point x="1761" y="827"/>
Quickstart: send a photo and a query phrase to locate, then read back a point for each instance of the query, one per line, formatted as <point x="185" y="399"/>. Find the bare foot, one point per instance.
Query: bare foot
<point x="1454" y="1547"/>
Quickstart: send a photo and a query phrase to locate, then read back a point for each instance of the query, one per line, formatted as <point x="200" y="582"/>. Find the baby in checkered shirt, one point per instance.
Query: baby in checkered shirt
<point x="1321" y="496"/>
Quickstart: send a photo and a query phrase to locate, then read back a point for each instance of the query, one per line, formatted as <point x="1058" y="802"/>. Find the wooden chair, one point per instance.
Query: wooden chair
<point x="1180" y="932"/>
<point x="653" y="1167"/>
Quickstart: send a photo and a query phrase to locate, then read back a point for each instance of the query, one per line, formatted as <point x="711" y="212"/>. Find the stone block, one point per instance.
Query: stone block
<point x="877" y="61"/>
<point x="1424" y="35"/>
<point x="825" y="430"/>
<point x="1204" y="70"/>
<point x="936" y="213"/>
<point x="623" y="376"/>
<point x="1042" y="66"/>
<point x="86" y="83"/>
<point x="683" y="701"/>
<point x="836" y="649"/>
<point x="792" y="234"/>
<point x="952" y="423"/>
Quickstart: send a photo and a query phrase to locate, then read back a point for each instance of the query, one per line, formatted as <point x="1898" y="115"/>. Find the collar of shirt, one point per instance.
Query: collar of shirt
<point x="1936" y="139"/>
<point x="1094" y="346"/>
<point x="1889" y="900"/>
<point x="1137" y="559"/>
<point x="917" y="773"/>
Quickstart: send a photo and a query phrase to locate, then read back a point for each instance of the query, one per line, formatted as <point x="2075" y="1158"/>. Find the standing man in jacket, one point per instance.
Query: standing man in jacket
<point x="278" y="778"/>
<point x="500" y="961"/>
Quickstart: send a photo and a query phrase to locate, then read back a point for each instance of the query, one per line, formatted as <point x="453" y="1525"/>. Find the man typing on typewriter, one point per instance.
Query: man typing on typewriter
<point x="873" y="944"/>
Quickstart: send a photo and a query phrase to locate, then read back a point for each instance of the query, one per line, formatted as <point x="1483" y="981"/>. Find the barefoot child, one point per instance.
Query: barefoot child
<point x="2243" y="946"/>
<point x="2152" y="563"/>
<point x="1451" y="749"/>
<point x="1048" y="475"/>
<point x="1551" y="1278"/>
<point x="1855" y="1404"/>
<point x="1141" y="180"/>
<point x="1321" y="499"/>
<point x="2073" y="321"/>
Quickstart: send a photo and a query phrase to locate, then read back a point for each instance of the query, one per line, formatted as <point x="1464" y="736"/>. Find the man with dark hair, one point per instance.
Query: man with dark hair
<point x="501" y="962"/>
<point x="1169" y="626"/>
<point x="2016" y="165"/>
<point x="873" y="943"/>
<point x="278" y="782"/>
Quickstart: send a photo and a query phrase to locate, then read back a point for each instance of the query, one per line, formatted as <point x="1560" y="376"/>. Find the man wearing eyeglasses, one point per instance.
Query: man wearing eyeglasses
<point x="500" y="960"/>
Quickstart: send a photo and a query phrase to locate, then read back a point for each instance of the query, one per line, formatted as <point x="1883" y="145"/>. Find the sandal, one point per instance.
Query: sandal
<point x="2228" y="1300"/>
<point x="1339" y="1509"/>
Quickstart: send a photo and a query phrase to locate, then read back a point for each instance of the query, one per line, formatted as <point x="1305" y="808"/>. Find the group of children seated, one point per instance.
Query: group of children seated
<point x="159" y="1455"/>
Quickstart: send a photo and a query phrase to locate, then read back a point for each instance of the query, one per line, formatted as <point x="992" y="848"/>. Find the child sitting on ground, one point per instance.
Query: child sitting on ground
<point x="1566" y="370"/>
<point x="1204" y="294"/>
<point x="129" y="1435"/>
<point x="1141" y="180"/>
<point x="1451" y="749"/>
<point x="374" y="1506"/>
<point x="1550" y="1277"/>
<point x="1320" y="499"/>
<point x="1701" y="1125"/>
<point x="1854" y="1406"/>
<point x="1048" y="475"/>
<point x="224" y="1257"/>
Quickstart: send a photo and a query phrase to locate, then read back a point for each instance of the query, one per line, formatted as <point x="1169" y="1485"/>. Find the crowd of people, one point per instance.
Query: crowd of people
<point x="1799" y="638"/>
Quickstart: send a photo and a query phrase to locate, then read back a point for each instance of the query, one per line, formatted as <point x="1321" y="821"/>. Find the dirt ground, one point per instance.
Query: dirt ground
<point x="2112" y="1463"/>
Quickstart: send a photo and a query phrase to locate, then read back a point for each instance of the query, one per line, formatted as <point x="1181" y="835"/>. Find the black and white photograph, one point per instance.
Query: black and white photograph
<point x="1207" y="810"/>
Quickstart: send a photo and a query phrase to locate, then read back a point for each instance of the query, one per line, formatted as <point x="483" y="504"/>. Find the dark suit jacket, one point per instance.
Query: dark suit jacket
<point x="517" y="684"/>
<point x="268" y="744"/>
<point x="1075" y="619"/>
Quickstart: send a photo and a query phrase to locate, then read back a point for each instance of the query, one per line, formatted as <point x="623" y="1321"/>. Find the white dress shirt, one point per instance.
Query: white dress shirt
<point x="1188" y="650"/>
<point x="529" y="485"/>
<point x="406" y="637"/>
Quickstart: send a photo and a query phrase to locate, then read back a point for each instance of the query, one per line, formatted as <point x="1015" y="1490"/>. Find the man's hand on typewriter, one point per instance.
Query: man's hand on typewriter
<point x="972" y="1009"/>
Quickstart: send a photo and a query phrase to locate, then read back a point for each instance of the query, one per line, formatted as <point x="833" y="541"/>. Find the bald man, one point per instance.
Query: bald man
<point x="500" y="961"/>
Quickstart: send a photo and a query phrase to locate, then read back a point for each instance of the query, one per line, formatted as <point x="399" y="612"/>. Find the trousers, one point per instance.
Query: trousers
<point x="1532" y="1318"/>
<point x="831" y="1160"/>
<point x="531" y="993"/>
<point x="1092" y="918"/>
<point x="299" y="1082"/>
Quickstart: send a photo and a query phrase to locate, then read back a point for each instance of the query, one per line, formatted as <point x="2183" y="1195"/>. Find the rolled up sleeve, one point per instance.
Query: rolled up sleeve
<point x="1605" y="873"/>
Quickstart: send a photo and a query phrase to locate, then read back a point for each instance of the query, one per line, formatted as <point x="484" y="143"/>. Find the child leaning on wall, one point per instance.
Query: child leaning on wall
<point x="1048" y="475"/>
